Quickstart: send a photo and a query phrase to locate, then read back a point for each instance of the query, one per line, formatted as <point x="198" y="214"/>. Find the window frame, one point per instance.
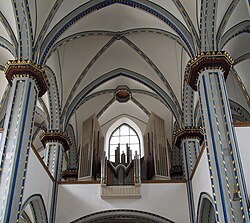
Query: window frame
<point x="129" y="135"/>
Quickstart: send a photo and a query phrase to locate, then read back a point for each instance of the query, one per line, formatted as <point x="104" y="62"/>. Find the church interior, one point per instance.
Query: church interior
<point x="131" y="111"/>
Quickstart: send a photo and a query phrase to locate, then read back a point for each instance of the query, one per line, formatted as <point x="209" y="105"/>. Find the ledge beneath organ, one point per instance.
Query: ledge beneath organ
<point x="110" y="192"/>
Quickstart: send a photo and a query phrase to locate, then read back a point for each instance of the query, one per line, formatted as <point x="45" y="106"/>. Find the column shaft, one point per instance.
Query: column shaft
<point x="53" y="158"/>
<point x="226" y="176"/>
<point x="188" y="139"/>
<point x="15" y="146"/>
<point x="191" y="150"/>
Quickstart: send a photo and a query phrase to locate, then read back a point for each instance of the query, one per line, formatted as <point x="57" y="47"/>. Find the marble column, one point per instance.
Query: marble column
<point x="206" y="74"/>
<point x="27" y="82"/>
<point x="189" y="140"/>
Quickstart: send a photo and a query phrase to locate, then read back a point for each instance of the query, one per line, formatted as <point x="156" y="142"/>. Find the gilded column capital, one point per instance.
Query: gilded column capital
<point x="56" y="136"/>
<point x="207" y="61"/>
<point x="70" y="173"/>
<point x="190" y="132"/>
<point x="27" y="68"/>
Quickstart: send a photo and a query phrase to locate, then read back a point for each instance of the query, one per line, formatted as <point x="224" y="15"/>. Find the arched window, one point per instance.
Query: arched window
<point x="121" y="138"/>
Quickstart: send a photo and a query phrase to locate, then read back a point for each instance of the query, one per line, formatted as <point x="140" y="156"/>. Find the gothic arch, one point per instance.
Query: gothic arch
<point x="74" y="105"/>
<point x="120" y="215"/>
<point x="37" y="206"/>
<point x="118" y="123"/>
<point x="95" y="5"/>
<point x="206" y="210"/>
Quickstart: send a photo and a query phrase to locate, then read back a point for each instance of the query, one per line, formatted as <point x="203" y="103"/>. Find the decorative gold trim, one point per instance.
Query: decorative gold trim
<point x="56" y="136"/>
<point x="190" y="132"/>
<point x="207" y="61"/>
<point x="27" y="68"/>
<point x="69" y="173"/>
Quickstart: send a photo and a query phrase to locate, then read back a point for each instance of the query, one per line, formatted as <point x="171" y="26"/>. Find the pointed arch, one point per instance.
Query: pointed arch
<point x="95" y="5"/>
<point x="242" y="27"/>
<point x="118" y="134"/>
<point x="105" y="216"/>
<point x="175" y="108"/>
<point x="116" y="125"/>
<point x="37" y="206"/>
<point x="24" y="27"/>
<point x="54" y="101"/>
<point x="10" y="32"/>
<point x="206" y="210"/>
<point x="116" y="36"/>
<point x="225" y="20"/>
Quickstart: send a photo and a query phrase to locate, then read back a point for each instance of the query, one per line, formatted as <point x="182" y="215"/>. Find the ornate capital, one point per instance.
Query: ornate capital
<point x="188" y="133"/>
<point x="27" y="68"/>
<point x="56" y="136"/>
<point x="69" y="174"/>
<point x="206" y="61"/>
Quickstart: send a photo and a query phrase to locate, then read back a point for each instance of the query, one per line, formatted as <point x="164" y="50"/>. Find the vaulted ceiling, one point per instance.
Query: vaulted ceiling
<point x="89" y="48"/>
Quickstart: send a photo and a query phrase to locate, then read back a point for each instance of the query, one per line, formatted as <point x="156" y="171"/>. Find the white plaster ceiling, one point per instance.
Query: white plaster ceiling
<point x="240" y="14"/>
<point x="192" y="9"/>
<point x="8" y="12"/>
<point x="3" y="82"/>
<point x="235" y="93"/>
<point x="243" y="69"/>
<point x="151" y="50"/>
<point x="116" y="18"/>
<point x="232" y="47"/>
<point x="39" y="11"/>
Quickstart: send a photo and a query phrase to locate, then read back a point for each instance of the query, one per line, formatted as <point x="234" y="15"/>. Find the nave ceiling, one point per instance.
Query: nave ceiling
<point x="89" y="48"/>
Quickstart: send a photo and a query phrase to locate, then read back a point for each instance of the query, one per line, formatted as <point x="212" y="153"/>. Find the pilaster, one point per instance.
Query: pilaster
<point x="206" y="74"/>
<point x="27" y="82"/>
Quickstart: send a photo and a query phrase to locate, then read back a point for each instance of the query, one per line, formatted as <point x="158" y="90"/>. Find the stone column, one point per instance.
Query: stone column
<point x="56" y="143"/>
<point x="189" y="139"/>
<point x="27" y="82"/>
<point x="206" y="74"/>
<point x="71" y="172"/>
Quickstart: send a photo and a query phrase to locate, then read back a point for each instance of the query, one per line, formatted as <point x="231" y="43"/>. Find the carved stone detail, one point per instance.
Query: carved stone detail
<point x="27" y="68"/>
<point x="188" y="133"/>
<point x="56" y="136"/>
<point x="207" y="61"/>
